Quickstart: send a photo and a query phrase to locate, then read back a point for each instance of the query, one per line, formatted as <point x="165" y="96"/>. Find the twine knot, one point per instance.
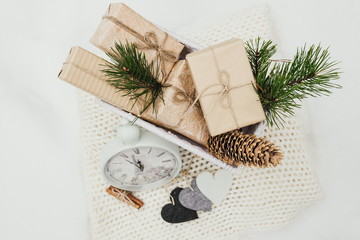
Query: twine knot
<point x="151" y="42"/>
<point x="122" y="195"/>
<point x="148" y="41"/>
<point x="224" y="83"/>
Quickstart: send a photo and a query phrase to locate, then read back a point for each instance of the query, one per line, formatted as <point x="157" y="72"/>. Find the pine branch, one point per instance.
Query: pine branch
<point x="133" y="76"/>
<point x="282" y="85"/>
<point x="259" y="54"/>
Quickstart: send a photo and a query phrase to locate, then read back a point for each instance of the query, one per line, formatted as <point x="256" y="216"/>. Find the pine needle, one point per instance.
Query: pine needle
<point x="133" y="76"/>
<point x="282" y="85"/>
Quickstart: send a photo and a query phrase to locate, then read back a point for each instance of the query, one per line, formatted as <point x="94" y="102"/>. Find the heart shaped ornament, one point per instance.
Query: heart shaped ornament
<point x="177" y="213"/>
<point x="194" y="199"/>
<point x="215" y="187"/>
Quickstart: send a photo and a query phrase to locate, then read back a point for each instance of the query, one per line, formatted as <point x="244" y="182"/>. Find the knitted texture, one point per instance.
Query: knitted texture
<point x="259" y="199"/>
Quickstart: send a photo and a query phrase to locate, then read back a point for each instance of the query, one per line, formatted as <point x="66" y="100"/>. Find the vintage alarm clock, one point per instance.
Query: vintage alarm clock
<point x="139" y="160"/>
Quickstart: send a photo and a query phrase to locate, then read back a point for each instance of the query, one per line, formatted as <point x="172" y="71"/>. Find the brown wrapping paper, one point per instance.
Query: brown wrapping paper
<point x="224" y="81"/>
<point x="178" y="111"/>
<point x="120" y="23"/>
<point x="83" y="70"/>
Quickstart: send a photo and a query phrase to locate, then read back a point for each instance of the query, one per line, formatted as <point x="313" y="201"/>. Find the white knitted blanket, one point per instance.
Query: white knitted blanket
<point x="259" y="199"/>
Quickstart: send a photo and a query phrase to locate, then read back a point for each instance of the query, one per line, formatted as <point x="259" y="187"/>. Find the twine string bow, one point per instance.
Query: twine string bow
<point x="149" y="42"/>
<point x="224" y="97"/>
<point x="224" y="93"/>
<point x="186" y="95"/>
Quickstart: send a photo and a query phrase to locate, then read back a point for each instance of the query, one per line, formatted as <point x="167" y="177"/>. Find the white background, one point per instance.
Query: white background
<point x="41" y="190"/>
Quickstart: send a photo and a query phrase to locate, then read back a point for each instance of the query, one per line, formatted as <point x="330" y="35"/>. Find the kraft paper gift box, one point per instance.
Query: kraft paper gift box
<point x="122" y="24"/>
<point x="225" y="85"/>
<point x="83" y="70"/>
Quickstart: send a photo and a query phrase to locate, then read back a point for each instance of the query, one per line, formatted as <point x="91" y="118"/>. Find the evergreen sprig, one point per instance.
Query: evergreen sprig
<point x="133" y="75"/>
<point x="281" y="85"/>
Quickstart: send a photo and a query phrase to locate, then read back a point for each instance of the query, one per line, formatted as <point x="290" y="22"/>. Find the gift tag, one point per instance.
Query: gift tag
<point x="215" y="187"/>
<point x="176" y="213"/>
<point x="194" y="199"/>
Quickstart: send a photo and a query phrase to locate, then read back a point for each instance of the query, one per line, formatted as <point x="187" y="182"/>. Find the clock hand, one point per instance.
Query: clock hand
<point x="134" y="160"/>
<point x="131" y="162"/>
<point x="137" y="163"/>
<point x="141" y="166"/>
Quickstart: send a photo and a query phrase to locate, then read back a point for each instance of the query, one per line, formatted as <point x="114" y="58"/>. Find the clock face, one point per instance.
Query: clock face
<point x="142" y="168"/>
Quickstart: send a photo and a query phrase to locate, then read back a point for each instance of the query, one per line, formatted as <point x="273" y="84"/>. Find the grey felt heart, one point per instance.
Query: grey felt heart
<point x="194" y="200"/>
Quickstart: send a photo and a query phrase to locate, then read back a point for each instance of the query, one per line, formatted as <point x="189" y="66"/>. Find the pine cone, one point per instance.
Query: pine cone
<point x="237" y="148"/>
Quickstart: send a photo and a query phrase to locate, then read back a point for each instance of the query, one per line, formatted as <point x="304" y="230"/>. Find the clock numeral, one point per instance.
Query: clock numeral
<point x="150" y="151"/>
<point x="116" y="171"/>
<point x="147" y="179"/>
<point x="123" y="177"/>
<point x="161" y="154"/>
<point x="134" y="180"/>
<point x="168" y="160"/>
<point x="124" y="155"/>
<point x="136" y="150"/>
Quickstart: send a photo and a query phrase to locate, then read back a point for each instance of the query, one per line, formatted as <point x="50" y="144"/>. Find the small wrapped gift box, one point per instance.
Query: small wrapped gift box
<point x="83" y="69"/>
<point x="120" y="23"/>
<point x="225" y="85"/>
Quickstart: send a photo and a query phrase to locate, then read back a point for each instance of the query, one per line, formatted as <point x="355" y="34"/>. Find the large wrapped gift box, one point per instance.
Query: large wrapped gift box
<point x="84" y="70"/>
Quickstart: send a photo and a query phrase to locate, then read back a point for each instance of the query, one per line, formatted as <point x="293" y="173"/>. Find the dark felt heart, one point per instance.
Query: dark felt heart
<point x="177" y="213"/>
<point x="194" y="199"/>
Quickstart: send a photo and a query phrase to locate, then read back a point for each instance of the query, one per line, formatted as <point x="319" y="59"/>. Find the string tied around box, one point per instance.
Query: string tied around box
<point x="185" y="95"/>
<point x="138" y="104"/>
<point x="224" y="98"/>
<point x="149" y="41"/>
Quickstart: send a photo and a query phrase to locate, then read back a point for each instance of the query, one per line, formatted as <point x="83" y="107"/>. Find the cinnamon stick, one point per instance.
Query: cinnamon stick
<point x="125" y="196"/>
